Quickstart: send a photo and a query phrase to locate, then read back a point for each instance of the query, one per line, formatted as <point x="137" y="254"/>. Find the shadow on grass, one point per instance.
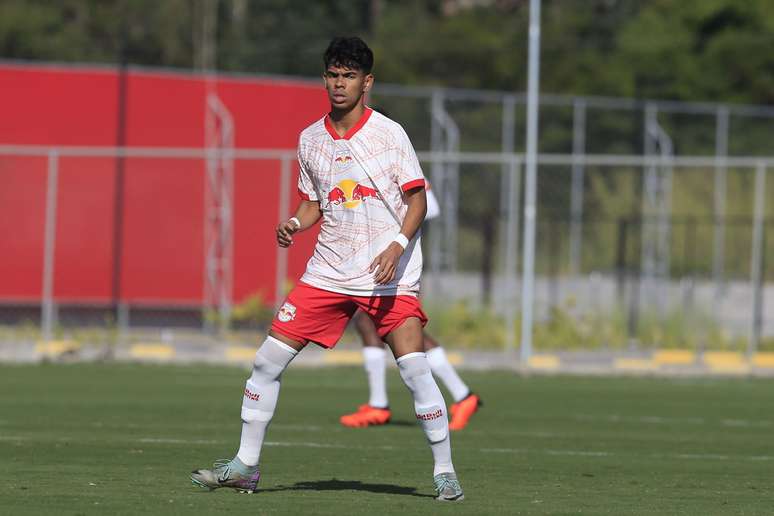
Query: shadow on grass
<point x="348" y="485"/>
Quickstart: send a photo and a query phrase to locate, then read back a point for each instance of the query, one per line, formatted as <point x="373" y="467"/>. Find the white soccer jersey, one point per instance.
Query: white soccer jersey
<point x="359" y="180"/>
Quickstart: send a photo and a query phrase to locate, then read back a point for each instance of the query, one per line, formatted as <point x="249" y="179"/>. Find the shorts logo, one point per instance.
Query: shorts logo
<point x="429" y="416"/>
<point x="251" y="395"/>
<point x="287" y="312"/>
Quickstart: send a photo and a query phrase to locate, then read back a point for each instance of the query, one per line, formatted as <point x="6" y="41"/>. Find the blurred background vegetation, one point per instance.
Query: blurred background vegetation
<point x="712" y="50"/>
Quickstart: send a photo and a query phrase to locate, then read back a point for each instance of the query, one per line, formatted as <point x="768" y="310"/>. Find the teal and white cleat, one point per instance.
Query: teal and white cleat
<point x="228" y="473"/>
<point x="448" y="487"/>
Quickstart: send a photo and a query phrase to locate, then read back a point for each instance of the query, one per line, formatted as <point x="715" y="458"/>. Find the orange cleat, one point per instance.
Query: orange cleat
<point x="463" y="410"/>
<point x="366" y="415"/>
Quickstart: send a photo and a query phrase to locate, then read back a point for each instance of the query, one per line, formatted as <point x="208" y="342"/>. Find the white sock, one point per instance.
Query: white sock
<point x="373" y="361"/>
<point x="430" y="408"/>
<point x="260" y="397"/>
<point x="442" y="369"/>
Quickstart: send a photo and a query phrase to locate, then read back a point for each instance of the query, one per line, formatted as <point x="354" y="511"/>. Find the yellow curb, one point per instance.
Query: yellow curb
<point x="56" y="347"/>
<point x="634" y="364"/>
<point x="343" y="358"/>
<point x="454" y="358"/>
<point x="763" y="360"/>
<point x="674" y="357"/>
<point x="726" y="362"/>
<point x="240" y="353"/>
<point x="158" y="351"/>
<point x="546" y="362"/>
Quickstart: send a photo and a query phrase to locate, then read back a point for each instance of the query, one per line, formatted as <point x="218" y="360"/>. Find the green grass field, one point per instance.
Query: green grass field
<point x="121" y="439"/>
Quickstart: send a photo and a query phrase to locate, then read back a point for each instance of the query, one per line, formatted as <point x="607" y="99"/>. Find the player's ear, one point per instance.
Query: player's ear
<point x="369" y="81"/>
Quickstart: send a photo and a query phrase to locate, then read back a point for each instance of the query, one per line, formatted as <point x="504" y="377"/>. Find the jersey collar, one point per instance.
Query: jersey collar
<point x="354" y="129"/>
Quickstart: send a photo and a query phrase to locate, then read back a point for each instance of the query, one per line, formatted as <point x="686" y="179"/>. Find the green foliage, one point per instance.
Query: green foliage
<point x="253" y="312"/>
<point x="680" y="49"/>
<point x="460" y="325"/>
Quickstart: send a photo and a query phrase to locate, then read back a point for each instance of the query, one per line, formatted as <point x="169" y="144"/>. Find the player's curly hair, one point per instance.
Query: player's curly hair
<point x="351" y="52"/>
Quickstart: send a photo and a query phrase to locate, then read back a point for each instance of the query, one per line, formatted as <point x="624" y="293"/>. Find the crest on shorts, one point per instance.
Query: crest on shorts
<point x="287" y="312"/>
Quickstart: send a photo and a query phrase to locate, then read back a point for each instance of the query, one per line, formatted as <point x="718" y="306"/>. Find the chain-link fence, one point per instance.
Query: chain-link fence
<point x="645" y="277"/>
<point x="114" y="247"/>
<point x="133" y="272"/>
<point x="638" y="243"/>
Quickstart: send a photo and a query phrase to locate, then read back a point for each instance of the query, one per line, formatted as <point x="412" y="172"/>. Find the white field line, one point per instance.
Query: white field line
<point x="686" y="456"/>
<point x="661" y="420"/>
<point x="544" y="451"/>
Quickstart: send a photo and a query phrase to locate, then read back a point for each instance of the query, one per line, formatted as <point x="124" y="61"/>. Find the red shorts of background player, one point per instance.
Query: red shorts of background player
<point x="320" y="316"/>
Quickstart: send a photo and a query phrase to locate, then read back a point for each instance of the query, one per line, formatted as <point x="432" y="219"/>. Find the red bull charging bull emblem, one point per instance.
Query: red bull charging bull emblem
<point x="350" y="193"/>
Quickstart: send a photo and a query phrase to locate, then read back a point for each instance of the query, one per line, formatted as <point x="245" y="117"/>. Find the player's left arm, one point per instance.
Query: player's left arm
<point x="386" y="263"/>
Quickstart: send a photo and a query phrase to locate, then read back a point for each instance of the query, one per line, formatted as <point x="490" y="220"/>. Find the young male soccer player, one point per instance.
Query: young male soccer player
<point x="359" y="172"/>
<point x="377" y="410"/>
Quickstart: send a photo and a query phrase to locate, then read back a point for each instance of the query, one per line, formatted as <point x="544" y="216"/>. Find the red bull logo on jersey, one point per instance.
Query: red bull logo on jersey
<point x="350" y="193"/>
<point x="343" y="160"/>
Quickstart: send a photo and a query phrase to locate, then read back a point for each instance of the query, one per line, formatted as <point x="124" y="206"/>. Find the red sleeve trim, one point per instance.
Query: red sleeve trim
<point x="416" y="183"/>
<point x="303" y="195"/>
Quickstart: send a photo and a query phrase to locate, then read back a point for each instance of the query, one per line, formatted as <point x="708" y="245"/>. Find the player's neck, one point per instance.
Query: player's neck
<point x="342" y="121"/>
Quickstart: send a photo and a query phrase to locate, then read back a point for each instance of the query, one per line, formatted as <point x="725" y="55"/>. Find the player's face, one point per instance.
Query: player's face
<point x="346" y="86"/>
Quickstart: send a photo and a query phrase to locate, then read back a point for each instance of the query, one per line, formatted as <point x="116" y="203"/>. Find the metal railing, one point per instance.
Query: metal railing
<point x="447" y="281"/>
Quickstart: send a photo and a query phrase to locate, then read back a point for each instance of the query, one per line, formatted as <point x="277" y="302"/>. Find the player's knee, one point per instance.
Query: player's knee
<point x="415" y="371"/>
<point x="271" y="359"/>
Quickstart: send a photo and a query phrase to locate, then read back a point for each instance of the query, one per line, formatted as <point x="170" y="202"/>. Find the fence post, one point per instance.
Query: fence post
<point x="756" y="261"/>
<point x="511" y="251"/>
<point x="49" y="316"/>
<point x="508" y="206"/>
<point x="530" y="185"/>
<point x="719" y="207"/>
<point x="284" y="211"/>
<point x="620" y="260"/>
<point x="437" y="178"/>
<point x="578" y="170"/>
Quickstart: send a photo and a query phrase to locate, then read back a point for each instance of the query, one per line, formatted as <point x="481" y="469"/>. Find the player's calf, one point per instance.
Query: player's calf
<point x="428" y="401"/>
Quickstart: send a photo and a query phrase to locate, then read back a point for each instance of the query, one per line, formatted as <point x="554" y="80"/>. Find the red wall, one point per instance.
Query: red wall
<point x="163" y="209"/>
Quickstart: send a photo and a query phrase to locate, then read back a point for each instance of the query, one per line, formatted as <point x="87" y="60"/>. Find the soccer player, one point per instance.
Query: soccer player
<point x="360" y="174"/>
<point x="377" y="410"/>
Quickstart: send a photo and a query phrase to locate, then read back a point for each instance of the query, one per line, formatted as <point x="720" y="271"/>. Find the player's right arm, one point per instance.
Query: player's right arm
<point x="308" y="211"/>
<point x="307" y="215"/>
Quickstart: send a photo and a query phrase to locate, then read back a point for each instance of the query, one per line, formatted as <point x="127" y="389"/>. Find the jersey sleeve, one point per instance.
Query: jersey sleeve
<point x="305" y="185"/>
<point x="433" y="209"/>
<point x="408" y="173"/>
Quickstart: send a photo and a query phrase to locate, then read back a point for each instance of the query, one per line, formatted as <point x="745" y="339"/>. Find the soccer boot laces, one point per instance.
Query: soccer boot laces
<point x="447" y="487"/>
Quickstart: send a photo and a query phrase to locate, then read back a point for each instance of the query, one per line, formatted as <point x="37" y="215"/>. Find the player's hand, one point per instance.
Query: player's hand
<point x="386" y="264"/>
<point x="285" y="233"/>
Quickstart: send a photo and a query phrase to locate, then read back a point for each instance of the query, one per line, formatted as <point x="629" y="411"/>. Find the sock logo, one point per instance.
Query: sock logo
<point x="252" y="395"/>
<point x="287" y="312"/>
<point x="429" y="416"/>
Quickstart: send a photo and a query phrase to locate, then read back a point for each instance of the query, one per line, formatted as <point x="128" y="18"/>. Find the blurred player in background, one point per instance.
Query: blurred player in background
<point x="360" y="174"/>
<point x="377" y="410"/>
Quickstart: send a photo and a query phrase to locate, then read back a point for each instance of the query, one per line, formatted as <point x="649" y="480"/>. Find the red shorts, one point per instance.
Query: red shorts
<point x="320" y="316"/>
